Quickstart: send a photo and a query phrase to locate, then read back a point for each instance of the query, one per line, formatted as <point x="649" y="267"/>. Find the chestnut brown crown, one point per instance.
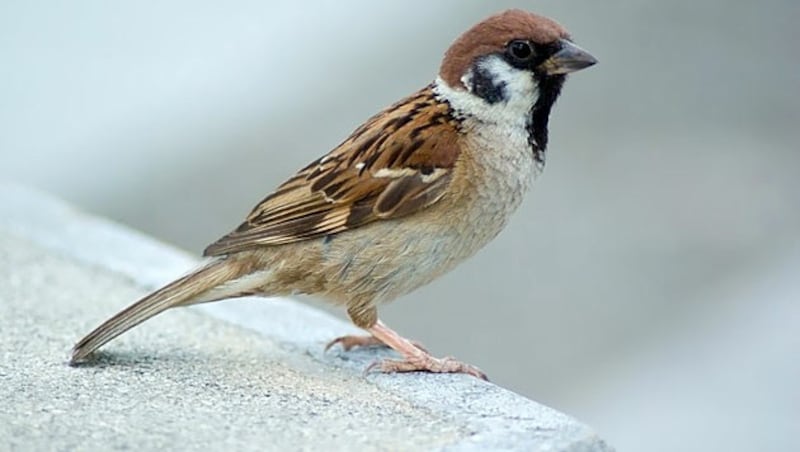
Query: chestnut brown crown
<point x="492" y="35"/>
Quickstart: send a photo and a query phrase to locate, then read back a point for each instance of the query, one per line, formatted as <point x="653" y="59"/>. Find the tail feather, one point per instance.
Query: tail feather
<point x="201" y="285"/>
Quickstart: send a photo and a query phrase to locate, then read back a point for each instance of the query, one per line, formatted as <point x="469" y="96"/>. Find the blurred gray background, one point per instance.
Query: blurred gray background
<point x="650" y="285"/>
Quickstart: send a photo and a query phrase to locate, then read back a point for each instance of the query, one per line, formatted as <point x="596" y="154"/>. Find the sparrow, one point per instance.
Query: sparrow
<point x="411" y="193"/>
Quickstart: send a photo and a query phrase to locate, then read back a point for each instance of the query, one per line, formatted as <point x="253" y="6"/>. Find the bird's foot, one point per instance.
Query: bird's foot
<point x="426" y="363"/>
<point x="415" y="358"/>
<point x="353" y="341"/>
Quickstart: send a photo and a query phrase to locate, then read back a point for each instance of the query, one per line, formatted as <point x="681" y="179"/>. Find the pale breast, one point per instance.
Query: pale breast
<point x="501" y="170"/>
<point x="387" y="259"/>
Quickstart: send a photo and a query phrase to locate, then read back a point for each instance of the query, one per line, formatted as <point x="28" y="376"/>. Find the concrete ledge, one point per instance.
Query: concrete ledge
<point x="249" y="374"/>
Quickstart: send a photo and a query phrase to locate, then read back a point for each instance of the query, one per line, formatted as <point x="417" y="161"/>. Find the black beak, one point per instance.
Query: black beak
<point x="569" y="58"/>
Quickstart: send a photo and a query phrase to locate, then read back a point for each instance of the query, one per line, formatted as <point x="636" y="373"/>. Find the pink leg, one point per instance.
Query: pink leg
<point x="414" y="358"/>
<point x="353" y="341"/>
<point x="348" y="342"/>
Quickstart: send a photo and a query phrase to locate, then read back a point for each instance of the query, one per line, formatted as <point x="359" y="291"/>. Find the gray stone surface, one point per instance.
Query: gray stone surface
<point x="247" y="374"/>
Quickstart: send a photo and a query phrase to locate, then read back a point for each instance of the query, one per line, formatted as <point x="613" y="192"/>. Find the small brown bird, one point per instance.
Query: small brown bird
<point x="414" y="191"/>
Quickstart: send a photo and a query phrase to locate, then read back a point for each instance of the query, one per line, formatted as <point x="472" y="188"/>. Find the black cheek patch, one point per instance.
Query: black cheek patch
<point x="486" y="87"/>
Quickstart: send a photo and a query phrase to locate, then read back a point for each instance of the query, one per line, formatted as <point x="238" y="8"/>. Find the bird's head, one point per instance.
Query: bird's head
<point x="510" y="68"/>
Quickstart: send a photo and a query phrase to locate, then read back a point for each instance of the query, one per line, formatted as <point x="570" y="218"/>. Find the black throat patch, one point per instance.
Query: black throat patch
<point x="549" y="89"/>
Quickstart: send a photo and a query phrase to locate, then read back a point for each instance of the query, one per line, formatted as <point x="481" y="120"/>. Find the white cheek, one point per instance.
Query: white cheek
<point x="521" y="94"/>
<point x="520" y="87"/>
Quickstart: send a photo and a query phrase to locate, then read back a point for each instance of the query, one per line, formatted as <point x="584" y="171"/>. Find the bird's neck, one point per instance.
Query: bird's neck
<point x="526" y="107"/>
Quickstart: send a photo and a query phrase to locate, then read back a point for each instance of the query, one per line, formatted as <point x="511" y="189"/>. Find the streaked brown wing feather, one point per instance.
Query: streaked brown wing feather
<point x="398" y="162"/>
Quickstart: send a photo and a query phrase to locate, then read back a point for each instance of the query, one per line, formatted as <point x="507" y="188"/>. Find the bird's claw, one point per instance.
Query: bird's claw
<point x="425" y="363"/>
<point x="351" y="341"/>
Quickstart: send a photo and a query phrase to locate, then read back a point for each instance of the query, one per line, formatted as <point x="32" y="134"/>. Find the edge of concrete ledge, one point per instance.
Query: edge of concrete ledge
<point x="498" y="418"/>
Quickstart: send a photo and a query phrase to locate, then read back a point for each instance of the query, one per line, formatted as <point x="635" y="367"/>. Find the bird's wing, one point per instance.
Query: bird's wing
<point x="398" y="162"/>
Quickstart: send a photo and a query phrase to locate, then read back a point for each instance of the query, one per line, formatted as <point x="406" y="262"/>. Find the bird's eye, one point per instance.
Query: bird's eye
<point x="520" y="50"/>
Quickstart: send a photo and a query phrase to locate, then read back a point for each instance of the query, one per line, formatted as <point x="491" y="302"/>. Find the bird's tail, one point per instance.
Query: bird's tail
<point x="213" y="281"/>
